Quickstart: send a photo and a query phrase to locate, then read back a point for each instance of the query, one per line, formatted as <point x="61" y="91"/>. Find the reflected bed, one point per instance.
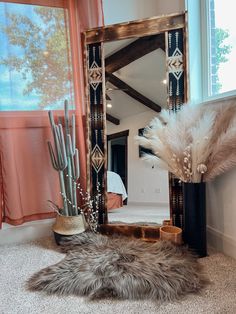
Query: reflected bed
<point x="116" y="192"/>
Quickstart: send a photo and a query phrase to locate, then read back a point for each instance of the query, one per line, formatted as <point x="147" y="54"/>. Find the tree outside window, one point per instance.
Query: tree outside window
<point x="221" y="46"/>
<point x="35" y="59"/>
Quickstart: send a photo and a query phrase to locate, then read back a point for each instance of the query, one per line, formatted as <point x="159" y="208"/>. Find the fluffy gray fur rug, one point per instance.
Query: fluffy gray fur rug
<point x="99" y="267"/>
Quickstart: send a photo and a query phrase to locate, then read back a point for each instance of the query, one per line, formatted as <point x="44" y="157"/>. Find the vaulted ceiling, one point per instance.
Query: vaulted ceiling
<point x="135" y="69"/>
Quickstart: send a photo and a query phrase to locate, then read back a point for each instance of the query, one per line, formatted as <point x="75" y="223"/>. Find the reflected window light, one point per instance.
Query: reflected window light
<point x="109" y="105"/>
<point x="164" y="81"/>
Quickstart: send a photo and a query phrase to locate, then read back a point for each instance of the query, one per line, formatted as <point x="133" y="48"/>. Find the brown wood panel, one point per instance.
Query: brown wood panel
<point x="146" y="233"/>
<point x="138" y="28"/>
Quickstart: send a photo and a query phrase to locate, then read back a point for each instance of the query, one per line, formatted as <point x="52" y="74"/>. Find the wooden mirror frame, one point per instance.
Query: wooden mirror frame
<point x="174" y="28"/>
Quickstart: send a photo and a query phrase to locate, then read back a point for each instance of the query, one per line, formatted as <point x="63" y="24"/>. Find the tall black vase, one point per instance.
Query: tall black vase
<point x="194" y="229"/>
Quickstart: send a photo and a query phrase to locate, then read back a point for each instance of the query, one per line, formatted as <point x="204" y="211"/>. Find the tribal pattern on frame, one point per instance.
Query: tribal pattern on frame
<point x="177" y="94"/>
<point x="96" y="125"/>
<point x="175" y="68"/>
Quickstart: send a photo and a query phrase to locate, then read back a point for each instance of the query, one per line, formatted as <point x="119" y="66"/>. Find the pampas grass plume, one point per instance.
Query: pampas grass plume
<point x="196" y="144"/>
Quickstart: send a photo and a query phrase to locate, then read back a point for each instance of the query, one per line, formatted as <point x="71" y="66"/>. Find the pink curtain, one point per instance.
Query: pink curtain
<point x="27" y="179"/>
<point x="83" y="14"/>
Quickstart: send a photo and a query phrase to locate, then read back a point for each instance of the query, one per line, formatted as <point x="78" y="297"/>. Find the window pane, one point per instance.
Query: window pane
<point x="222" y="45"/>
<point x="35" y="61"/>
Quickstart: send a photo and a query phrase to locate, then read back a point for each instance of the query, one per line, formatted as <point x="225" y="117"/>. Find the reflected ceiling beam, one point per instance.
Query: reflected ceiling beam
<point x="132" y="92"/>
<point x="112" y="119"/>
<point x="134" y="51"/>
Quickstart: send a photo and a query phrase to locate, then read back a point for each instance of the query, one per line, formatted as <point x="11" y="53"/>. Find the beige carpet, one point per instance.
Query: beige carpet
<point x="18" y="262"/>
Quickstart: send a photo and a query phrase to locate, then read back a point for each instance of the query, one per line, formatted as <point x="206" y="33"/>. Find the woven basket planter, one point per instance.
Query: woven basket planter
<point x="66" y="226"/>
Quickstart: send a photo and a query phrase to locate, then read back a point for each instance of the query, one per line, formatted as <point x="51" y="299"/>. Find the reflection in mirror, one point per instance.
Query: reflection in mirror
<point x="135" y="91"/>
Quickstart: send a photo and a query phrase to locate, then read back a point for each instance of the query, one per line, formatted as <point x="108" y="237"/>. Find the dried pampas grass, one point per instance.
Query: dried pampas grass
<point x="196" y="144"/>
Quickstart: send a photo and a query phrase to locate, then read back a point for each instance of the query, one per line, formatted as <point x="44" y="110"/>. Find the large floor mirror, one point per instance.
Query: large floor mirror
<point x="135" y="91"/>
<point x="134" y="70"/>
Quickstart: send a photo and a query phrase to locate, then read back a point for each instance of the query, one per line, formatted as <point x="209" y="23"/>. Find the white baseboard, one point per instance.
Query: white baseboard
<point x="27" y="232"/>
<point x="221" y="242"/>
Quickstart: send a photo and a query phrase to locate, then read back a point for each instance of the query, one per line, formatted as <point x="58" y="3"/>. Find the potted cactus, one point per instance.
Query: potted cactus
<point x="65" y="160"/>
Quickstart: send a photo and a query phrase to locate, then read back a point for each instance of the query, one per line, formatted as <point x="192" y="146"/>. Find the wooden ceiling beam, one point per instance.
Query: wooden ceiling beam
<point x="132" y="92"/>
<point x="134" y="51"/>
<point x="112" y="119"/>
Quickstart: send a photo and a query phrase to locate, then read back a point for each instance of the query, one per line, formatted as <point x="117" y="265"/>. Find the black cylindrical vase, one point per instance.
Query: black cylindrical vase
<point x="194" y="229"/>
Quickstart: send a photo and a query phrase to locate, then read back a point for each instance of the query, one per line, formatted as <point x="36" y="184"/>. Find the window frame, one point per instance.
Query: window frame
<point x="199" y="53"/>
<point x="32" y="116"/>
<point x="45" y="3"/>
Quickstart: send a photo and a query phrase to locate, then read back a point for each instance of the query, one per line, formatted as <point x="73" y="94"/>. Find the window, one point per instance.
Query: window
<point x="219" y="45"/>
<point x="35" y="60"/>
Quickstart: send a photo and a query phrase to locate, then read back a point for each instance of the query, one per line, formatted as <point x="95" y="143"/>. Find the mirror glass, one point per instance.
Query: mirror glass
<point x="136" y="90"/>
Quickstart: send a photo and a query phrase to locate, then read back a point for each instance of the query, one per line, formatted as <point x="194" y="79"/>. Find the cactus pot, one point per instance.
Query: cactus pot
<point x="67" y="226"/>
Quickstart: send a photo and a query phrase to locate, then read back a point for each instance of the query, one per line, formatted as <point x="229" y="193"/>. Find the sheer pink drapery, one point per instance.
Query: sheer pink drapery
<point x="27" y="179"/>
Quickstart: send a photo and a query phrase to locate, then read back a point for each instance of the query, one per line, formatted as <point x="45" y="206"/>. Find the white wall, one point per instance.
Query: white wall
<point x="221" y="213"/>
<point x="145" y="184"/>
<point x="127" y="10"/>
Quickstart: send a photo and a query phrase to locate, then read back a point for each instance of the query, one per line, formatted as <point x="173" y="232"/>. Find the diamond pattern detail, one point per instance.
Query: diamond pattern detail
<point x="97" y="158"/>
<point x="175" y="63"/>
<point x="95" y="75"/>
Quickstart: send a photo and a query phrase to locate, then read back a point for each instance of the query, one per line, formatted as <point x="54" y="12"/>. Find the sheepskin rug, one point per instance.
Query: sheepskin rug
<point x="101" y="267"/>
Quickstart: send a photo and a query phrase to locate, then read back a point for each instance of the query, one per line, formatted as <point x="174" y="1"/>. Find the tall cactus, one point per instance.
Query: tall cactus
<point x="65" y="160"/>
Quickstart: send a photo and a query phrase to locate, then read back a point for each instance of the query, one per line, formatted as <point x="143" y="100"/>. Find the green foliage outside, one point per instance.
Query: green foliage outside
<point x="45" y="65"/>
<point x="222" y="50"/>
